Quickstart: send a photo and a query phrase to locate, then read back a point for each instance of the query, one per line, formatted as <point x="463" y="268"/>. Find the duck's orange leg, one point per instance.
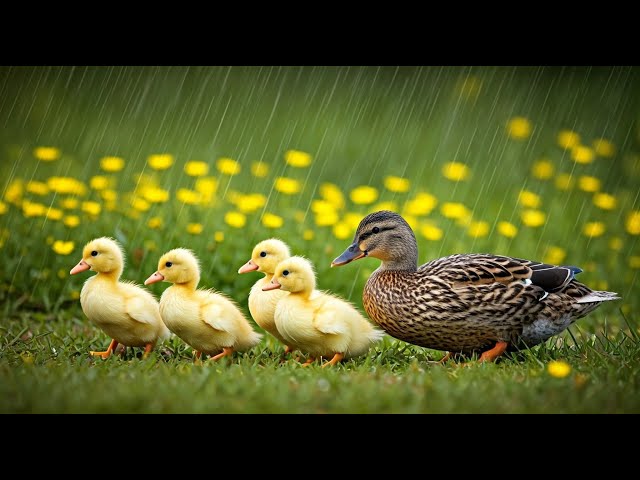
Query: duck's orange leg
<point x="226" y="351"/>
<point x="107" y="352"/>
<point x="309" y="361"/>
<point x="336" y="358"/>
<point x="495" y="352"/>
<point x="147" y="350"/>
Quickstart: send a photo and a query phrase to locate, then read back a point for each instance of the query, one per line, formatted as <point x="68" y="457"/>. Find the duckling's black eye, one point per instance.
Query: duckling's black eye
<point x="168" y="264"/>
<point x="94" y="253"/>
<point x="285" y="273"/>
<point x="263" y="254"/>
<point x="375" y="230"/>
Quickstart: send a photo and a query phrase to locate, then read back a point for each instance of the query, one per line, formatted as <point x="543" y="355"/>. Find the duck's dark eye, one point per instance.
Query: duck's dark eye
<point x="94" y="253"/>
<point x="168" y="264"/>
<point x="263" y="254"/>
<point x="285" y="273"/>
<point x="375" y="230"/>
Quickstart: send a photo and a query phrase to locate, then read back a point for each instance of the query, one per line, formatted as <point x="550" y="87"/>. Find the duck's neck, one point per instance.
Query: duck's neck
<point x="405" y="259"/>
<point x="304" y="294"/>
<point x="111" y="276"/>
<point x="190" y="286"/>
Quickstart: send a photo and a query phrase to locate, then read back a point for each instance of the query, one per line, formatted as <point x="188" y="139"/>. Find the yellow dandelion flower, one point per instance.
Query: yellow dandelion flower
<point x="270" y="220"/>
<point x="386" y="205"/>
<point x="431" y="232"/>
<point x="605" y="201"/>
<point x="109" y="195"/>
<point x="250" y="203"/>
<point x="342" y="231"/>
<point x="332" y="194"/>
<point x="46" y="154"/>
<point x="363" y="195"/>
<point x="54" y="213"/>
<point x="140" y="204"/>
<point x="554" y="255"/>
<point x="297" y="158"/>
<point x="588" y="183"/>
<point x="478" y="229"/>
<point x="69" y="203"/>
<point x="259" y="169"/>
<point x="322" y="206"/>
<point x="568" y="139"/>
<point x="352" y="219"/>
<point x="533" y="218"/>
<point x="422" y="204"/>
<point x="33" y="209"/>
<point x="154" y="222"/>
<point x="326" y="219"/>
<point x="519" y="128"/>
<point x="634" y="261"/>
<point x="397" y="184"/>
<point x="455" y="171"/>
<point x="111" y="164"/>
<point x="308" y="234"/>
<point x="218" y="237"/>
<point x="632" y="224"/>
<point x="92" y="208"/>
<point x="188" y="197"/>
<point x="558" y="368"/>
<point x="63" y="248"/>
<point x="194" y="228"/>
<point x="529" y="199"/>
<point x="564" y="181"/>
<point x="604" y="147"/>
<point x="71" y="221"/>
<point x="13" y="193"/>
<point x="507" y="229"/>
<point x="160" y="161"/>
<point x="37" y="188"/>
<point x="3" y="208"/>
<point x="155" y="195"/>
<point x="454" y="210"/>
<point x="542" y="169"/>
<point x="235" y="219"/>
<point x="228" y="166"/>
<point x="196" y="168"/>
<point x="207" y="187"/>
<point x="593" y="229"/>
<point x="288" y="186"/>
<point x="582" y="154"/>
<point x="615" y="243"/>
<point x="99" y="182"/>
<point x="67" y="186"/>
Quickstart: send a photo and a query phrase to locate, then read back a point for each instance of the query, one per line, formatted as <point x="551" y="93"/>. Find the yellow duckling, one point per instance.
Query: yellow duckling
<point x="262" y="305"/>
<point x="206" y="320"/>
<point x="123" y="310"/>
<point x="318" y="323"/>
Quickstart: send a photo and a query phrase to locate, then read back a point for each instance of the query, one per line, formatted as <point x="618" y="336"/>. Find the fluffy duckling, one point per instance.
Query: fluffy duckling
<point x="262" y="305"/>
<point x="207" y="320"/>
<point x="318" y="323"/>
<point x="123" y="310"/>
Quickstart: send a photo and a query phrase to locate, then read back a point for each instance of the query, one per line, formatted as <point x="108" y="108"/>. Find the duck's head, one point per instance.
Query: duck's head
<point x="384" y="235"/>
<point x="103" y="255"/>
<point x="295" y="274"/>
<point x="265" y="256"/>
<point x="179" y="266"/>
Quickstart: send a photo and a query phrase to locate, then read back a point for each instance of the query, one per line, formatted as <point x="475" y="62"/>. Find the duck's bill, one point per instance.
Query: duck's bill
<point x="156" y="277"/>
<point x="272" y="285"/>
<point x="80" y="267"/>
<point x="349" y="255"/>
<point x="248" y="267"/>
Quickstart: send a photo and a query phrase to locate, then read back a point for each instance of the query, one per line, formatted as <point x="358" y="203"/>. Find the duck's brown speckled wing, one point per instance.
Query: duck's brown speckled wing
<point x="482" y="269"/>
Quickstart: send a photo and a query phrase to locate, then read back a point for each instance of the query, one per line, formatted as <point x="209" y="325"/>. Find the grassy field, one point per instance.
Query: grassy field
<point x="539" y="163"/>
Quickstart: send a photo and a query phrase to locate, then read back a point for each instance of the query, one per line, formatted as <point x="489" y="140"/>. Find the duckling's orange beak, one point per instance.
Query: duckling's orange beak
<point x="272" y="285"/>
<point x="156" y="277"/>
<point x="80" y="267"/>
<point x="248" y="267"/>
<point x="349" y="255"/>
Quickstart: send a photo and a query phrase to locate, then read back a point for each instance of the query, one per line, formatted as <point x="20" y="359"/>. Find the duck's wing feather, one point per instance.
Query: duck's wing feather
<point x="480" y="269"/>
<point x="140" y="304"/>
<point x="327" y="318"/>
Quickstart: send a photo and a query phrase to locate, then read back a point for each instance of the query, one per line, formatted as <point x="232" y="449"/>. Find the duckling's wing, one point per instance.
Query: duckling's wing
<point x="480" y="269"/>
<point x="142" y="308"/>
<point x="328" y="318"/>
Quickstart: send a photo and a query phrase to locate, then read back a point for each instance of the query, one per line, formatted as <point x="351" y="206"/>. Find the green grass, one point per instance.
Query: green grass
<point x="360" y="124"/>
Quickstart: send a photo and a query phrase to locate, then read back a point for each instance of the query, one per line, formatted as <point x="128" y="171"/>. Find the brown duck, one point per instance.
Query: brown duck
<point x="465" y="303"/>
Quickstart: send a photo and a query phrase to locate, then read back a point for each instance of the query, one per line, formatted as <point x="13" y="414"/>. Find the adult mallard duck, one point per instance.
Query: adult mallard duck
<point x="466" y="303"/>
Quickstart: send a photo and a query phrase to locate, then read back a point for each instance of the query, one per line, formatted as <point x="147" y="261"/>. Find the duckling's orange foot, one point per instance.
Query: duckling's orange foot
<point x="309" y="361"/>
<point x="147" y="350"/>
<point x="336" y="358"/>
<point x="226" y="352"/>
<point x="107" y="353"/>
<point x="287" y="349"/>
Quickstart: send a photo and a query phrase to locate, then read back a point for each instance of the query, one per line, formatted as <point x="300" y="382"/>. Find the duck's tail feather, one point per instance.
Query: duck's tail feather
<point x="598" y="296"/>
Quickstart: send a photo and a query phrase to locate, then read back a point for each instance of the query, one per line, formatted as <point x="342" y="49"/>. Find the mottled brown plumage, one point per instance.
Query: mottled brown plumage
<point x="464" y="303"/>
